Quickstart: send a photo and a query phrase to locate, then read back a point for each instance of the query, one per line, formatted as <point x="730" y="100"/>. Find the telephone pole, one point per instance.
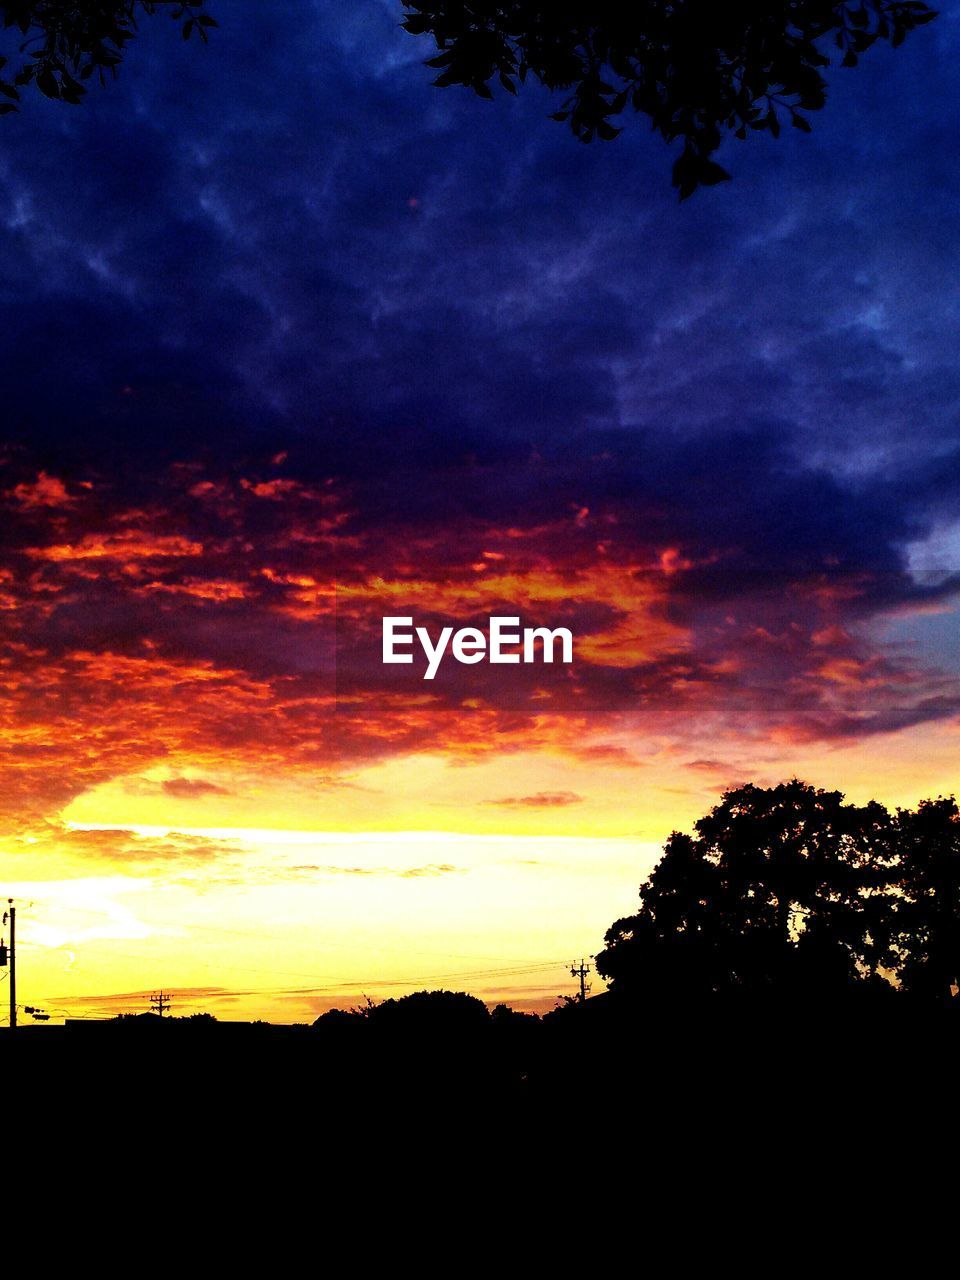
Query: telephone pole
<point x="11" y="916"/>
<point x="159" y="1003"/>
<point x="580" y="971"/>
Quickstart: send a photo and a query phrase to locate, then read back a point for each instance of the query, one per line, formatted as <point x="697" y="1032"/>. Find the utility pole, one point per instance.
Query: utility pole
<point x="11" y="915"/>
<point x="580" y="971"/>
<point x="159" y="1003"/>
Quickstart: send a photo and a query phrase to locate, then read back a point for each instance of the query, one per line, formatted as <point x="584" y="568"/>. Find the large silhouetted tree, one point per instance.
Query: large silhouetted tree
<point x="781" y="888"/>
<point x="927" y="908"/>
<point x="700" y="70"/>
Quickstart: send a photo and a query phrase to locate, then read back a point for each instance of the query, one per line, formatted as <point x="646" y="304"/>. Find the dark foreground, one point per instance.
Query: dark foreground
<point x="749" y="1069"/>
<point x="721" y="1130"/>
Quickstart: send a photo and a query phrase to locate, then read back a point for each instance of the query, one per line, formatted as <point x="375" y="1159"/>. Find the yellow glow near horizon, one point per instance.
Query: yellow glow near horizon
<point x="291" y="923"/>
<point x="278" y="899"/>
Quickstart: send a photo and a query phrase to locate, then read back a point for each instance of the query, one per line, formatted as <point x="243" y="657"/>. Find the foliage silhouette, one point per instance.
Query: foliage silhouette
<point x="698" y="70"/>
<point x="927" y="909"/>
<point x="790" y="891"/>
<point x="63" y="43"/>
<point x="431" y="1013"/>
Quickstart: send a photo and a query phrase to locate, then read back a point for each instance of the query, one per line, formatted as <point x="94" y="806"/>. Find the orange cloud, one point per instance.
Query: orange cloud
<point x="126" y="546"/>
<point x="44" y="492"/>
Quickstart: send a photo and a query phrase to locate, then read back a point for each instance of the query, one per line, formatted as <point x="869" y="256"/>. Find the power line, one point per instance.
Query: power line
<point x="502" y="971"/>
<point x="358" y="984"/>
<point x="160" y="1001"/>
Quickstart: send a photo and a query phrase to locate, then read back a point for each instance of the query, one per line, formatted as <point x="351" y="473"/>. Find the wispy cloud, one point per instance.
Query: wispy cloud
<point x="540" y="800"/>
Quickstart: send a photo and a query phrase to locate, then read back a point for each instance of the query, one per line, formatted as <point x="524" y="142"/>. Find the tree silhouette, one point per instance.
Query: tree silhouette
<point x="430" y="1013"/>
<point x="781" y="887"/>
<point x="927" y="909"/>
<point x="63" y="43"/>
<point x="698" y="69"/>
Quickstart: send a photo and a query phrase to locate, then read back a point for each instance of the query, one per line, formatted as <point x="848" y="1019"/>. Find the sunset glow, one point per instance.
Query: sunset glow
<point x="317" y="364"/>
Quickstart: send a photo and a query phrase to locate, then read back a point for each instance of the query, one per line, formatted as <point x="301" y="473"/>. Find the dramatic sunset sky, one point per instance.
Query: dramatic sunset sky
<point x="293" y="340"/>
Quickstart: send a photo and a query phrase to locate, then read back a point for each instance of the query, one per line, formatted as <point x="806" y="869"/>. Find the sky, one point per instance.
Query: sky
<point x="294" y="340"/>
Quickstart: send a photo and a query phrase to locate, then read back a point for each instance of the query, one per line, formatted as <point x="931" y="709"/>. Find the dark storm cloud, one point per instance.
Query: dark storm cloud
<point x="290" y="239"/>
